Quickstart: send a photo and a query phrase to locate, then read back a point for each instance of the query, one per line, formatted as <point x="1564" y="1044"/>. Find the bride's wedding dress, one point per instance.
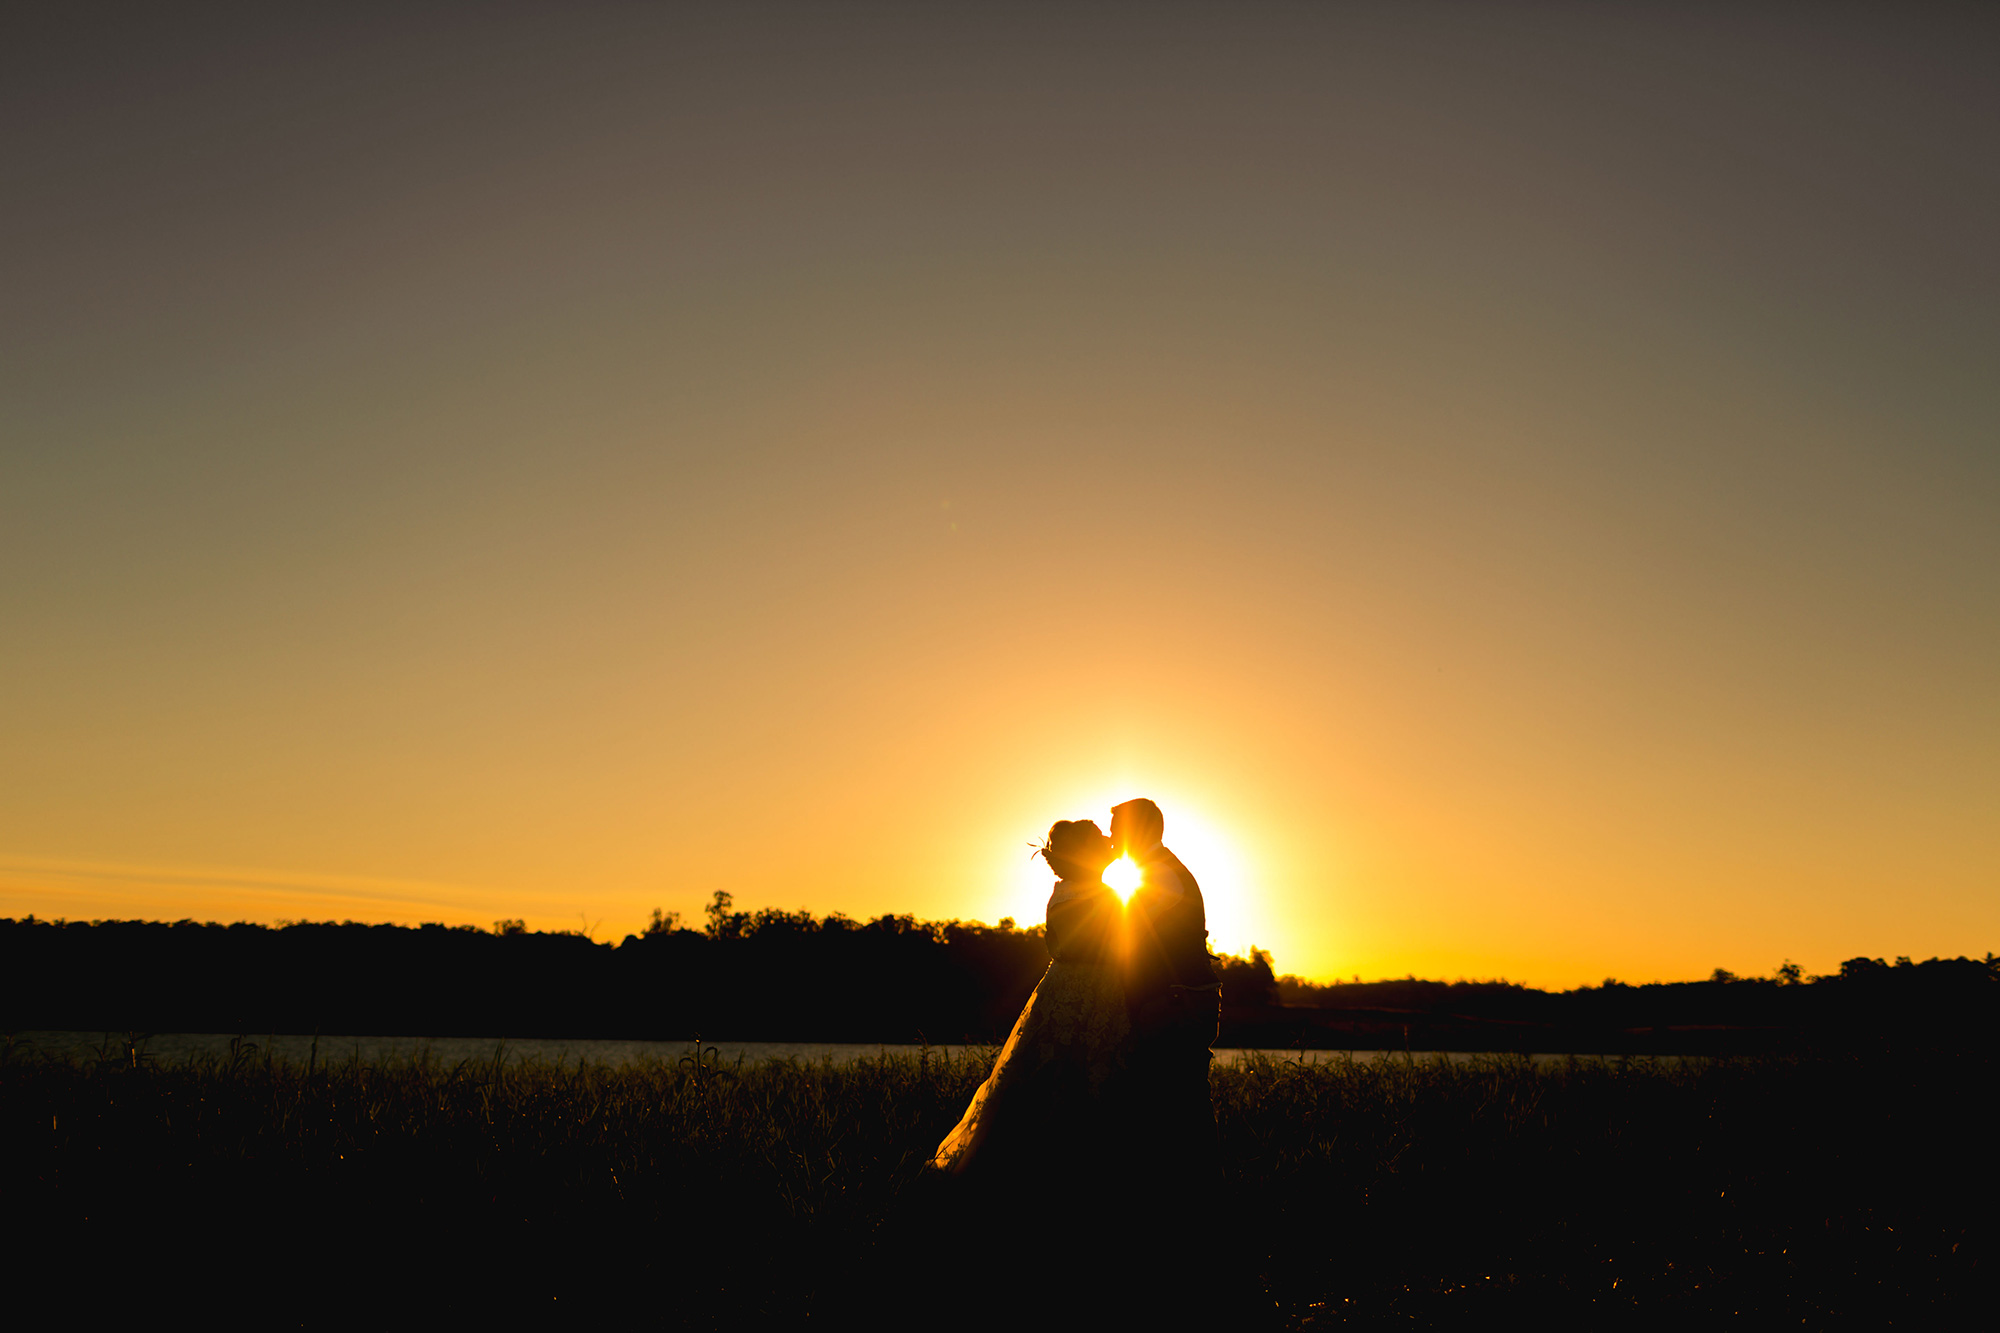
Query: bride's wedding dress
<point x="1048" y="1097"/>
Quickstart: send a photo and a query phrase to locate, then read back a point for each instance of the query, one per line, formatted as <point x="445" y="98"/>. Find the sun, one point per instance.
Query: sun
<point x="1220" y="858"/>
<point x="1122" y="876"/>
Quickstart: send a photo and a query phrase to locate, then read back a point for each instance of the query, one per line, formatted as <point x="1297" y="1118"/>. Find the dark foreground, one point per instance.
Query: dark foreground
<point x="1850" y="1190"/>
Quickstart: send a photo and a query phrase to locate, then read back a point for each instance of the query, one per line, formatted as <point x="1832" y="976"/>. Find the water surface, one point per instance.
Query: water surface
<point x="175" y="1047"/>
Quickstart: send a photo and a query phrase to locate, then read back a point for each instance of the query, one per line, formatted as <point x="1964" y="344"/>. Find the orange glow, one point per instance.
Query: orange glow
<point x="1122" y="876"/>
<point x="1404" y="453"/>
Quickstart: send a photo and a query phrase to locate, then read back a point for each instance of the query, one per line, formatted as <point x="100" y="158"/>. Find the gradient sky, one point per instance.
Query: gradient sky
<point x="1520" y="486"/>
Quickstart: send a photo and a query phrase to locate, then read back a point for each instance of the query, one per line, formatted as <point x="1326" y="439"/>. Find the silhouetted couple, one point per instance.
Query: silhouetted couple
<point x="1099" y="1100"/>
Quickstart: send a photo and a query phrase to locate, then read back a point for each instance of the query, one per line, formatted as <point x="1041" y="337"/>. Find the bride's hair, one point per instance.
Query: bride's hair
<point x="1067" y="837"/>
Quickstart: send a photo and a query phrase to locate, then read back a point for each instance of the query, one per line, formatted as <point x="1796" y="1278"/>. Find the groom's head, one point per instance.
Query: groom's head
<point x="1137" y="825"/>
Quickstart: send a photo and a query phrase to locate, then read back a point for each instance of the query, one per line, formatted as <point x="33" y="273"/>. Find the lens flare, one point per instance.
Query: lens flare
<point x="1123" y="876"/>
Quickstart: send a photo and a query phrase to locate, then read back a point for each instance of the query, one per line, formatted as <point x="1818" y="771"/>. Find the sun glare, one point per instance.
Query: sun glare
<point x="1123" y="877"/>
<point x="1215" y="857"/>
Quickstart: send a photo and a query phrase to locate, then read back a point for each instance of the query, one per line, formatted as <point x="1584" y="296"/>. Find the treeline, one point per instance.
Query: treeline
<point x="1940" y="1001"/>
<point x="772" y="975"/>
<point x="776" y="975"/>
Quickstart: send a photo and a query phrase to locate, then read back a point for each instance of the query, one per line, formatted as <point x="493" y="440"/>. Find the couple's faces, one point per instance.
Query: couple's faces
<point x="1106" y="849"/>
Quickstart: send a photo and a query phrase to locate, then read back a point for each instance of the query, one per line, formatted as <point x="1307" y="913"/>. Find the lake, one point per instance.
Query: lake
<point x="171" y="1047"/>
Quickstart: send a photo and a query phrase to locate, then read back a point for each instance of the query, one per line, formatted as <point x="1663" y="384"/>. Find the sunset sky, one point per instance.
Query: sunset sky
<point x="1520" y="486"/>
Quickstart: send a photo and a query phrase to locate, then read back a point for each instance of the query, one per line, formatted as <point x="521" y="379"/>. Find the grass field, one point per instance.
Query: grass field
<point x="1851" y="1190"/>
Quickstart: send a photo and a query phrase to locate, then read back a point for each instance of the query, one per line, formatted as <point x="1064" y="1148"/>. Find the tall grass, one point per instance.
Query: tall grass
<point x="1779" y="1190"/>
<point x="704" y="1192"/>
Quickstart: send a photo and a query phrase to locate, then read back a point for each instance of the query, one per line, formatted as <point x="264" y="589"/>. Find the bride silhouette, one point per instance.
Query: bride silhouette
<point x="1048" y="1102"/>
<point x="1092" y="1146"/>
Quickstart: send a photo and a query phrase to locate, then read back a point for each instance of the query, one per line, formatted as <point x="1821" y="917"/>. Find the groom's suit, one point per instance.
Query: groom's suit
<point x="1175" y="1006"/>
<point x="1169" y="928"/>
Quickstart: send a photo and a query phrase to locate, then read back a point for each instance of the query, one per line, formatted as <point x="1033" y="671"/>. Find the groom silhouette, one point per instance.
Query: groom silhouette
<point x="1175" y="1004"/>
